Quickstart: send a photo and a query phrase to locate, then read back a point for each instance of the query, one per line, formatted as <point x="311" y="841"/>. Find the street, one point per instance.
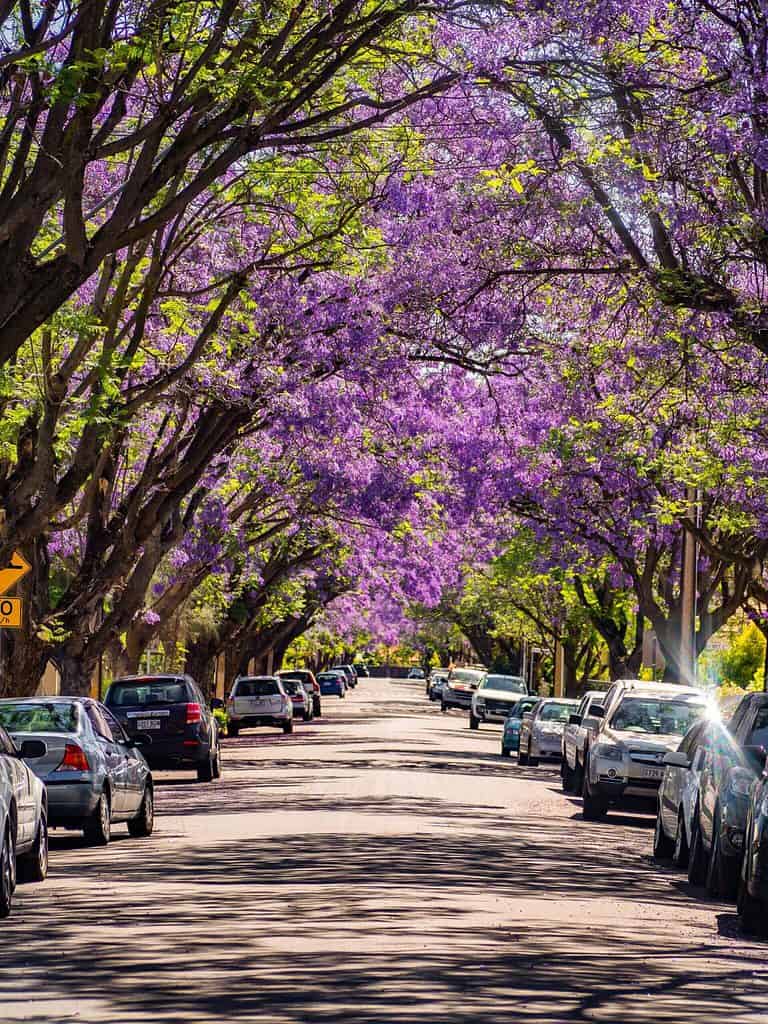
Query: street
<point x="383" y="864"/>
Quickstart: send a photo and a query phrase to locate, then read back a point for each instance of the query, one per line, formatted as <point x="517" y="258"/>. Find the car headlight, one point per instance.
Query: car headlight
<point x="740" y="783"/>
<point x="608" y="751"/>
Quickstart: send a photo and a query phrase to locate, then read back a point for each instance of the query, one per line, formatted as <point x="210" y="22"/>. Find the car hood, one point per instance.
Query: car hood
<point x="510" y="698"/>
<point x="652" y="743"/>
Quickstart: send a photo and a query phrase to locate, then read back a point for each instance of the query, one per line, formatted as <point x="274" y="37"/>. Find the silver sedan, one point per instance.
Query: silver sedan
<point x="93" y="773"/>
<point x="24" y="835"/>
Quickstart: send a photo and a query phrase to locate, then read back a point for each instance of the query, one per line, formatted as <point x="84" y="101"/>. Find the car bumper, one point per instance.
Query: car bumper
<point x="511" y="741"/>
<point x="631" y="791"/>
<point x="71" y="802"/>
<point x="457" y="700"/>
<point x="253" y="720"/>
<point x="175" y="753"/>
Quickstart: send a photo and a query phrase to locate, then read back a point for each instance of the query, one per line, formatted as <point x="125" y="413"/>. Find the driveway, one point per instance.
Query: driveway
<point x="380" y="866"/>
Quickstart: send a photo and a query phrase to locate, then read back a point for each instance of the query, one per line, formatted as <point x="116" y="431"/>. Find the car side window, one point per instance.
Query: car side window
<point x="758" y="736"/>
<point x="690" y="741"/>
<point x="6" y="743"/>
<point x="115" y="728"/>
<point x="97" y="720"/>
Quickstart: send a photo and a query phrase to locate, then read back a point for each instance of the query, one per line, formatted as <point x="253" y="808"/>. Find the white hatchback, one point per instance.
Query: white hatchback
<point x="258" y="700"/>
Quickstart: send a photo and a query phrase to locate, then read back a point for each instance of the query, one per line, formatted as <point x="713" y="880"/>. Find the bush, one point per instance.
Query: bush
<point x="221" y="717"/>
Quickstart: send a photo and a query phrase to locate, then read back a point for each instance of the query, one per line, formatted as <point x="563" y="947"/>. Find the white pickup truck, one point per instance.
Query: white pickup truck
<point x="577" y="735"/>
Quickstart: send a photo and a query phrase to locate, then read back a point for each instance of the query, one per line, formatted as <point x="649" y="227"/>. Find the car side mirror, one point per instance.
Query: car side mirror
<point x="216" y="704"/>
<point x="574" y="720"/>
<point x="676" y="759"/>
<point x="33" y="748"/>
<point x="756" y="757"/>
<point x="597" y="711"/>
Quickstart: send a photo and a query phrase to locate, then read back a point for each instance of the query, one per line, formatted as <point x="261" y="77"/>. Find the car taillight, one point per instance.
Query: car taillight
<point x="316" y="687"/>
<point x="74" y="759"/>
<point x="194" y="714"/>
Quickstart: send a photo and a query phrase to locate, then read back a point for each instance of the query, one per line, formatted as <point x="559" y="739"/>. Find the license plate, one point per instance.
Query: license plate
<point x="147" y="723"/>
<point x="653" y="773"/>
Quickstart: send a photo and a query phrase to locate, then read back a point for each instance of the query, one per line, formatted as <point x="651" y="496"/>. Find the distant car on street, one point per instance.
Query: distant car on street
<point x="332" y="684"/>
<point x="510" y="737"/>
<point x="23" y="819"/>
<point x="494" y="698"/>
<point x="459" y="687"/>
<point x="416" y="673"/>
<point x="361" y="670"/>
<point x="541" y="731"/>
<point x="170" y="716"/>
<point x="259" y="700"/>
<point x="679" y="790"/>
<point x="311" y="685"/>
<point x="349" y="672"/>
<point x="302" y="702"/>
<point x="435" y="682"/>
<point x="93" y="773"/>
<point x="640" y="722"/>
<point x="577" y="734"/>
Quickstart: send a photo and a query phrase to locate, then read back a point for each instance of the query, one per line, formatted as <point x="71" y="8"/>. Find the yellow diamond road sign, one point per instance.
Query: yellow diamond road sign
<point x="10" y="612"/>
<point x="16" y="571"/>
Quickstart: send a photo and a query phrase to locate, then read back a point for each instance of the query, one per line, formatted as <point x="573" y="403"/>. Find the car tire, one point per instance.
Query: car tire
<point x="98" y="828"/>
<point x="443" y="706"/>
<point x="522" y="759"/>
<point x="566" y="777"/>
<point x="722" y="871"/>
<point x="532" y="761"/>
<point x="288" y="726"/>
<point x="217" y="760"/>
<point x="317" y="708"/>
<point x="506" y="752"/>
<point x="233" y="729"/>
<point x="474" y="723"/>
<point x="593" y="808"/>
<point x="307" y="716"/>
<point x="143" y="824"/>
<point x="697" y="859"/>
<point x="663" y="846"/>
<point x="207" y="768"/>
<point x="7" y="872"/>
<point x="680" y="852"/>
<point x="752" y="911"/>
<point x="33" y="866"/>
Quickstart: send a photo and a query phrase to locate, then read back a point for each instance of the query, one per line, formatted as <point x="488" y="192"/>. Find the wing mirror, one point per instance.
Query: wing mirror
<point x="676" y="759"/>
<point x="33" y="749"/>
<point x="574" y="720"/>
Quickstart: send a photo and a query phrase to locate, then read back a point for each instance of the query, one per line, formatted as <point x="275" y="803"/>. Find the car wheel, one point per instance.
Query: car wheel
<point x="206" y="768"/>
<point x="522" y="759"/>
<point x="722" y="871"/>
<point x="751" y="910"/>
<point x="288" y="726"/>
<point x="474" y="723"/>
<point x="33" y="866"/>
<point x="506" y="752"/>
<point x="7" y="873"/>
<point x="307" y="716"/>
<point x="142" y="825"/>
<point x="532" y="761"/>
<point x="593" y="808"/>
<point x="662" y="844"/>
<point x="217" y="760"/>
<point x="317" y="709"/>
<point x="697" y="861"/>
<point x="443" y="706"/>
<point x="566" y="776"/>
<point x="680" y="852"/>
<point x="98" y="828"/>
<point x="233" y="729"/>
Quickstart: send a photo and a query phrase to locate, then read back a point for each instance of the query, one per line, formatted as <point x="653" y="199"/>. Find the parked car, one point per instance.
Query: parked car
<point x="640" y="723"/>
<point x="494" y="698"/>
<point x="349" y="672"/>
<point x="93" y="773"/>
<point x="510" y="737"/>
<point x="416" y="673"/>
<point x="361" y="670"/>
<point x="333" y="683"/>
<point x="541" y="730"/>
<point x="170" y="716"/>
<point x="732" y="762"/>
<point x="258" y="700"/>
<point x="435" y="683"/>
<point x="311" y="685"/>
<point x="302" y="702"/>
<point x="679" y="791"/>
<point x="577" y="734"/>
<point x="459" y="687"/>
<point x="752" y="899"/>
<point x="23" y="819"/>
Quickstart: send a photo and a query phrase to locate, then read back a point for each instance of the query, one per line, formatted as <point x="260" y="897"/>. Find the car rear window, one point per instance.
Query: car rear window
<point x="39" y="717"/>
<point x="147" y="692"/>
<point x="256" y="688"/>
<point x="292" y="686"/>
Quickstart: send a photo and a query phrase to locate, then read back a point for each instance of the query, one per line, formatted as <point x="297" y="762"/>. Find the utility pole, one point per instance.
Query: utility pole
<point x="687" y="666"/>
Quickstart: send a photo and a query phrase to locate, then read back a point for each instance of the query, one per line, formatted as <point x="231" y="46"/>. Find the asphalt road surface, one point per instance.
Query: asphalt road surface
<point x="381" y="866"/>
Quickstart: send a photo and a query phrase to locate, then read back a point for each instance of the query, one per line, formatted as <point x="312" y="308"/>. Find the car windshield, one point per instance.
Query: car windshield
<point x="656" y="715"/>
<point x="556" y="712"/>
<point x="39" y="717"/>
<point x="511" y="684"/>
<point x="256" y="688"/>
<point x="759" y="735"/>
<point x="327" y="677"/>
<point x="145" y="692"/>
<point x="521" y="707"/>
<point x="460" y="675"/>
